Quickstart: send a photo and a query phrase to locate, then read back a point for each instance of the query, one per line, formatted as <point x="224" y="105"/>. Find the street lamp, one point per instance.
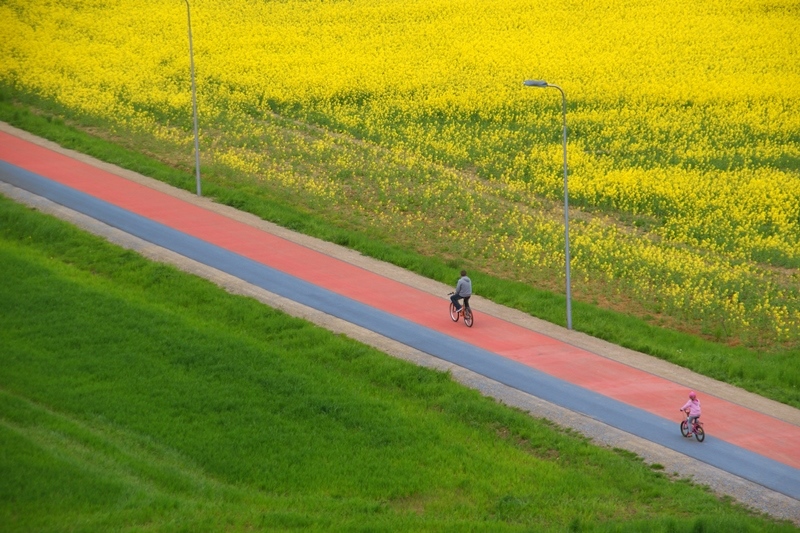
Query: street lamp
<point x="544" y="84"/>
<point x="194" y="102"/>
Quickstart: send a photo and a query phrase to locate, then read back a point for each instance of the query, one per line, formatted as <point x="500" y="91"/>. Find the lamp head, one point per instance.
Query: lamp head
<point x="535" y="83"/>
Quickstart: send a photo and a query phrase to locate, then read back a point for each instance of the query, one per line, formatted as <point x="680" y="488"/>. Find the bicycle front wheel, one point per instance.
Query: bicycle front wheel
<point x="684" y="428"/>
<point x="699" y="434"/>
<point x="468" y="317"/>
<point x="453" y="312"/>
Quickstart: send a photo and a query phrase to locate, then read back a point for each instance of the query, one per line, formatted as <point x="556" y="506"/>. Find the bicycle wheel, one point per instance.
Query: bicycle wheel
<point x="699" y="434"/>
<point x="684" y="428"/>
<point x="453" y="312"/>
<point x="468" y="317"/>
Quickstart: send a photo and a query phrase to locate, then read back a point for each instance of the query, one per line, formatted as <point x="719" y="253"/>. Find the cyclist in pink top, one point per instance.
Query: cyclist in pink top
<point x="693" y="406"/>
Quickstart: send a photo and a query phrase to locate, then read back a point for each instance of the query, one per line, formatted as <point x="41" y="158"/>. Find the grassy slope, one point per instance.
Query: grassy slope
<point x="775" y="375"/>
<point x="133" y="396"/>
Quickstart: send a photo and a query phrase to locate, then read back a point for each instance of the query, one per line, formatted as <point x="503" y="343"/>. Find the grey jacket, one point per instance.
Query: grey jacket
<point x="464" y="287"/>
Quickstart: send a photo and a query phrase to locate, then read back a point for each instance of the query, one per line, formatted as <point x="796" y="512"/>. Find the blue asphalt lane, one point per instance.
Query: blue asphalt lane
<point x="764" y="471"/>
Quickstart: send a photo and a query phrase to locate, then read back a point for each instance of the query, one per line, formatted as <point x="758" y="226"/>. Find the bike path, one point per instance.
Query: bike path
<point x="749" y="444"/>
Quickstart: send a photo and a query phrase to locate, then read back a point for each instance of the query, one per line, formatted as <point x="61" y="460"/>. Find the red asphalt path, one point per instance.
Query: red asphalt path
<point x="724" y="420"/>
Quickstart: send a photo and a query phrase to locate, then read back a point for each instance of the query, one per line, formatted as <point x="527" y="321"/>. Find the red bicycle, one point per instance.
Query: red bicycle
<point x="466" y="310"/>
<point x="697" y="428"/>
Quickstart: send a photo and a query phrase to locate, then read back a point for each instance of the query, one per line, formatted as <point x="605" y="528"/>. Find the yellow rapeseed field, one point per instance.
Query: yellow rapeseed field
<point x="684" y="125"/>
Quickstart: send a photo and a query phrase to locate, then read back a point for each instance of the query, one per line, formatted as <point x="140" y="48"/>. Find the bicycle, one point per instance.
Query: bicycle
<point x="467" y="311"/>
<point x="697" y="428"/>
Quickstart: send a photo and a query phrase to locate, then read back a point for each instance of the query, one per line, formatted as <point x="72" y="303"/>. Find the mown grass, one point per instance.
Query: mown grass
<point x="134" y="396"/>
<point x="773" y="374"/>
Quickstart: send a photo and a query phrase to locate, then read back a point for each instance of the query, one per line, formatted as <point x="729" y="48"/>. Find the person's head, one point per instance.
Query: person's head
<point x="692" y="395"/>
<point x="463" y="273"/>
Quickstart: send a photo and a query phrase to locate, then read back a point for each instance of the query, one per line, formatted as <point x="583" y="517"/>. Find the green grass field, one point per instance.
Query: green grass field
<point x="134" y="397"/>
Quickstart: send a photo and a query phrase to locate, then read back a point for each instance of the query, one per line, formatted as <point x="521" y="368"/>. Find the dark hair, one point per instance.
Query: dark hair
<point x="463" y="272"/>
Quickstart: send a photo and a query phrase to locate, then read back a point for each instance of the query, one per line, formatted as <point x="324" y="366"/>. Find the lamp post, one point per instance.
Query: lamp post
<point x="544" y="84"/>
<point x="194" y="102"/>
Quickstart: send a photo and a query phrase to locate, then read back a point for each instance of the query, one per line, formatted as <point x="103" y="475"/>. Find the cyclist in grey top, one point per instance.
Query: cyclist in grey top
<point x="463" y="290"/>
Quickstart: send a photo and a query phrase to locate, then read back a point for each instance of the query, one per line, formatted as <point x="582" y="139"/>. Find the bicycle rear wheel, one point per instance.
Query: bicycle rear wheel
<point x="684" y="428"/>
<point x="468" y="317"/>
<point x="699" y="434"/>
<point x="453" y="312"/>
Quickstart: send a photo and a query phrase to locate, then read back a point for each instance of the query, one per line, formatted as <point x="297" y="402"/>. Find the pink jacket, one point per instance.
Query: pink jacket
<point x="693" y="406"/>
